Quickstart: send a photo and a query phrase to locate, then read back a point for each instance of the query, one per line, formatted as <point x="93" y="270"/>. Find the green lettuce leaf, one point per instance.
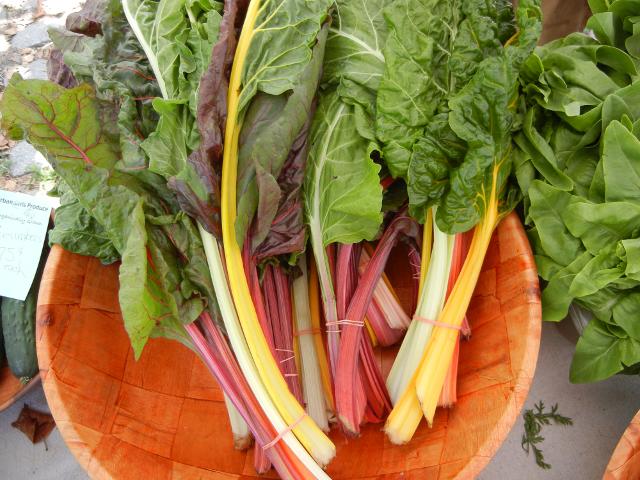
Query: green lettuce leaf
<point x="620" y="163"/>
<point x="602" y="270"/>
<point x="548" y="206"/>
<point x="582" y="99"/>
<point x="600" y="354"/>
<point x="556" y="298"/>
<point x="599" y="225"/>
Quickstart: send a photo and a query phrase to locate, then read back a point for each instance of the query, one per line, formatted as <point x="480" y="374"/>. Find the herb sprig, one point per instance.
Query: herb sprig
<point x="534" y="419"/>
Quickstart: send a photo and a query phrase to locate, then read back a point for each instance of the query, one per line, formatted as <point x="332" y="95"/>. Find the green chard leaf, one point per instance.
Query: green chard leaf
<point x="416" y="75"/>
<point x="487" y="132"/>
<point x="66" y="125"/>
<point x="178" y="39"/>
<point x="161" y="27"/>
<point x="432" y="50"/>
<point x="281" y="46"/>
<point x="78" y="232"/>
<point x="464" y="157"/>
<point x="271" y="128"/>
<point x="342" y="192"/>
<point x="343" y="196"/>
<point x="354" y="60"/>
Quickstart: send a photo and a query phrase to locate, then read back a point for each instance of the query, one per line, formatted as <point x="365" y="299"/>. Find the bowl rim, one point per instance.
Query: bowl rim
<point x="520" y="384"/>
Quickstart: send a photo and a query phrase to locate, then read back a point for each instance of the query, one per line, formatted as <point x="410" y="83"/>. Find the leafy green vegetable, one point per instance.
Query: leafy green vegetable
<point x="578" y="170"/>
<point x="548" y="205"/>
<point x="600" y="353"/>
<point x="271" y="127"/>
<point x="342" y="191"/>
<point x="464" y="156"/>
<point x="432" y="49"/>
<point x="109" y="61"/>
<point x="281" y="46"/>
<point x="354" y="61"/>
<point x="78" y="232"/>
<point x="66" y="125"/>
<point x="178" y="39"/>
<point x="343" y="197"/>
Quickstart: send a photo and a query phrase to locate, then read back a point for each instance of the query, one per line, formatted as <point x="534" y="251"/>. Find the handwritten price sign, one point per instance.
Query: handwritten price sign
<point x="23" y="226"/>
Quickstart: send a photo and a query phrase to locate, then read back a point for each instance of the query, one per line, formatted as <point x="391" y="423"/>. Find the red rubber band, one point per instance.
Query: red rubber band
<point x="278" y="437"/>
<point x="436" y="323"/>
<point x="346" y="321"/>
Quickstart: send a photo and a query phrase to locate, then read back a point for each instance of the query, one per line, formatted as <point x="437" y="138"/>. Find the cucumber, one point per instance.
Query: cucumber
<point x="19" y="329"/>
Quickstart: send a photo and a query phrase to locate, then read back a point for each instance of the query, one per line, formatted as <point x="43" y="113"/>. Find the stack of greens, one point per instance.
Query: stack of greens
<point x="578" y="164"/>
<point x="203" y="144"/>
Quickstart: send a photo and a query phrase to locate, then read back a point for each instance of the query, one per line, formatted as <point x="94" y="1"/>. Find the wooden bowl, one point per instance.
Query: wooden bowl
<point x="11" y="388"/>
<point x="164" y="418"/>
<point x="625" y="460"/>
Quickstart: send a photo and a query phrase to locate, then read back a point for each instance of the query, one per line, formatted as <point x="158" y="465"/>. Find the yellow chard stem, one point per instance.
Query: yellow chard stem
<point x="427" y="241"/>
<point x="437" y="357"/>
<point x="405" y="417"/>
<point x="311" y="437"/>
<point x="422" y="393"/>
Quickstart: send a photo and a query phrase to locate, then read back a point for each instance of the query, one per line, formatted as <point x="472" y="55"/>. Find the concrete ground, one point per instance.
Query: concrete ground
<point x="600" y="413"/>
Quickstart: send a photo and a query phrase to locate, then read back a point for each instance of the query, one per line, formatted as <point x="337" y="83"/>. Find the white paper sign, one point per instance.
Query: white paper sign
<point x="23" y="225"/>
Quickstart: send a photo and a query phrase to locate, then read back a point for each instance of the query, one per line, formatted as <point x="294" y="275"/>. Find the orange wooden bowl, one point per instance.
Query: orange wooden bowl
<point x="163" y="417"/>
<point x="625" y="461"/>
<point x="11" y="388"/>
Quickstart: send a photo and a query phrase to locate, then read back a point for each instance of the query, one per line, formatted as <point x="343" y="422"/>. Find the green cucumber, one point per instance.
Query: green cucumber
<point x="19" y="329"/>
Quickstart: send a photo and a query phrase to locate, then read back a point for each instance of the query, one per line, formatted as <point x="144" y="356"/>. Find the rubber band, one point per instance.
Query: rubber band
<point x="278" y="437"/>
<point x="287" y="359"/>
<point x="436" y="323"/>
<point x="284" y="350"/>
<point x="290" y="374"/>
<point x="307" y="331"/>
<point x="346" y="321"/>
